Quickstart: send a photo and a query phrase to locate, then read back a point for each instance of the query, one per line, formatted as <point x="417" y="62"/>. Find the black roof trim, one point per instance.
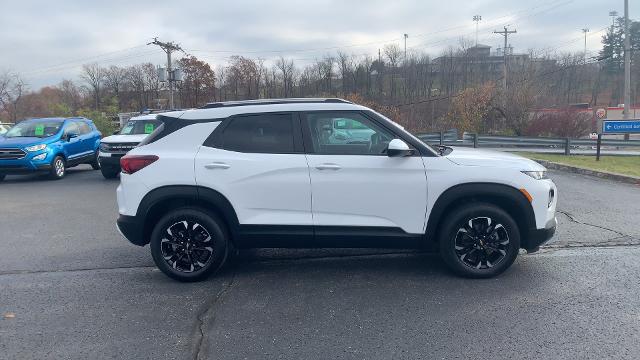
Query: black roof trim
<point x="274" y="102"/>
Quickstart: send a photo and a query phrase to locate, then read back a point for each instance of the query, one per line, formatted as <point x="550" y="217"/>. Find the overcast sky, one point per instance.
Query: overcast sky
<point x="48" y="41"/>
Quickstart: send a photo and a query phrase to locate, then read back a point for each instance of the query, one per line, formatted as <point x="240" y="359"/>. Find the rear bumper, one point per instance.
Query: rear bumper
<point x="132" y="229"/>
<point x="538" y="237"/>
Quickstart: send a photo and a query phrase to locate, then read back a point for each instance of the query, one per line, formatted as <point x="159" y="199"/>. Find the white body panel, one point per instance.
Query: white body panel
<point x="361" y="190"/>
<point x="263" y="188"/>
<point x="174" y="166"/>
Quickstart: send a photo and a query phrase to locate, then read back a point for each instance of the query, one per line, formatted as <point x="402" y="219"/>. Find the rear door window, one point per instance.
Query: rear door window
<point x="261" y="133"/>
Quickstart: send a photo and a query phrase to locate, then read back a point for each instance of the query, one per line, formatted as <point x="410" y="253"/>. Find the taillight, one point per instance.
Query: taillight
<point x="132" y="163"/>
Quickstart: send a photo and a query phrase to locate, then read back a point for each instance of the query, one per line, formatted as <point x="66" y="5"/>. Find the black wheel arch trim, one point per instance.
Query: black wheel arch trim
<point x="504" y="196"/>
<point x="186" y="195"/>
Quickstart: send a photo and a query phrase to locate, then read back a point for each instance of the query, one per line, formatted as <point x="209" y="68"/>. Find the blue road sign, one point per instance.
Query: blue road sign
<point x="621" y="127"/>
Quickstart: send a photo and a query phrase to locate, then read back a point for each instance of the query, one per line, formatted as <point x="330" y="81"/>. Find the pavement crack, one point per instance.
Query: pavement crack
<point x="572" y="218"/>
<point x="206" y="316"/>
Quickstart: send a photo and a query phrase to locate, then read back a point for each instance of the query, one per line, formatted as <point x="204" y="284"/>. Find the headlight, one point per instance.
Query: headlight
<point x="538" y="175"/>
<point x="104" y="147"/>
<point x="36" y="147"/>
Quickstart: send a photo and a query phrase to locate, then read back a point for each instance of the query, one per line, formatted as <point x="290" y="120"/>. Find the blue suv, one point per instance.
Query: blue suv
<point x="49" y="145"/>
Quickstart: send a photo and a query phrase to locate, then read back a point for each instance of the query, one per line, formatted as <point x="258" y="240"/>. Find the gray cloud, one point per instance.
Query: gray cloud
<point x="37" y="36"/>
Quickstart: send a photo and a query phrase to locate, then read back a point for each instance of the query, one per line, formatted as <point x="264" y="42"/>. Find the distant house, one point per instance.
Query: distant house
<point x="480" y="59"/>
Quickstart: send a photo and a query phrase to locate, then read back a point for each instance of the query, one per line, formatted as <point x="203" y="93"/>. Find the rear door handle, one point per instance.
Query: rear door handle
<point x="328" y="167"/>
<point x="217" y="165"/>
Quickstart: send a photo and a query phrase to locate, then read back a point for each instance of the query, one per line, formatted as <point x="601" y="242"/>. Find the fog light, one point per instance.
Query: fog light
<point x="40" y="157"/>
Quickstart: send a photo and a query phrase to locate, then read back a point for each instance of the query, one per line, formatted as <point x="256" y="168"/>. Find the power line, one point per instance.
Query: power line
<point x="83" y="59"/>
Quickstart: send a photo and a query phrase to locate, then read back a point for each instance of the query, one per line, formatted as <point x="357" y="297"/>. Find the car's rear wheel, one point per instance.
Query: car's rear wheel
<point x="110" y="172"/>
<point x="189" y="244"/>
<point x="58" y="168"/>
<point x="479" y="240"/>
<point x="95" y="164"/>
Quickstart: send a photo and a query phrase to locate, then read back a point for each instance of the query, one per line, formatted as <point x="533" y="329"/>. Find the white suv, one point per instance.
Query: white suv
<point x="270" y="173"/>
<point x="113" y="147"/>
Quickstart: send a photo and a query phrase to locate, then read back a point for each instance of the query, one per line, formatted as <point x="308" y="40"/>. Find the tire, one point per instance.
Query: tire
<point x="183" y="255"/>
<point x="491" y="246"/>
<point x="58" y="168"/>
<point x="95" y="164"/>
<point x="110" y="172"/>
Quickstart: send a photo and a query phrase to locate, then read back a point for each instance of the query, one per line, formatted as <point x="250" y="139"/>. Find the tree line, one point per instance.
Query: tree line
<point x="460" y="88"/>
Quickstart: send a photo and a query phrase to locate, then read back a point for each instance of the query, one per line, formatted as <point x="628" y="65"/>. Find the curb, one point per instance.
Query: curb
<point x="601" y="174"/>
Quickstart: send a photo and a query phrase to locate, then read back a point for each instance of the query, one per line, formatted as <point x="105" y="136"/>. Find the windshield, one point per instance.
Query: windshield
<point x="39" y="129"/>
<point x="4" y="129"/>
<point x="135" y="127"/>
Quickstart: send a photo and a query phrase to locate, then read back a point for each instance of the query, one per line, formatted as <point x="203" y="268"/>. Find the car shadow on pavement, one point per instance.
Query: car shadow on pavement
<point x="70" y="172"/>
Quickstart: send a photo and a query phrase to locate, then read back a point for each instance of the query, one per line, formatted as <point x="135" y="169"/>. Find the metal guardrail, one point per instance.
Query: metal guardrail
<point x="450" y="138"/>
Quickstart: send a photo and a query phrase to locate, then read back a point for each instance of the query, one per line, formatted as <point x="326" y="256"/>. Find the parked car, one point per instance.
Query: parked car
<point x="262" y="174"/>
<point x="4" y="127"/>
<point x="49" y="145"/>
<point x="113" y="147"/>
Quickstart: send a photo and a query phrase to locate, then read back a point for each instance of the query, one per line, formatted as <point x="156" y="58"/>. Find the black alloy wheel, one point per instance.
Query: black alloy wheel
<point x="479" y="240"/>
<point x="189" y="244"/>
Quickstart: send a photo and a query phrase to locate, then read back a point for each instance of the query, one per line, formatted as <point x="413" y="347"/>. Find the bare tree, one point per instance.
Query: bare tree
<point x="93" y="75"/>
<point x="12" y="89"/>
<point x="287" y="68"/>
<point x="114" y="78"/>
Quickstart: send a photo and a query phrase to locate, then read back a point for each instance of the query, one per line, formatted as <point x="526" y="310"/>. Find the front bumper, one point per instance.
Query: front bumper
<point x="110" y="159"/>
<point x="538" y="237"/>
<point x="132" y="229"/>
<point x="27" y="164"/>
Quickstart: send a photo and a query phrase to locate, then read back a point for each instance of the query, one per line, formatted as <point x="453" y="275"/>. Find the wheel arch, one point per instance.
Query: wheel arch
<point x="159" y="201"/>
<point x="506" y="197"/>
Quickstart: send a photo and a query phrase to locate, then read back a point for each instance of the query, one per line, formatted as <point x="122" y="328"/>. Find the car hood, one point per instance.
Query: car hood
<point x="19" y="142"/>
<point x="490" y="158"/>
<point x="124" y="138"/>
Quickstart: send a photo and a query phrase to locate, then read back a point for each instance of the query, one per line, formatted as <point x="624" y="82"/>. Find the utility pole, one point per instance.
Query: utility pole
<point x="505" y="33"/>
<point x="168" y="48"/>
<point x="627" y="61"/>
<point x="585" y="31"/>
<point x="477" y="19"/>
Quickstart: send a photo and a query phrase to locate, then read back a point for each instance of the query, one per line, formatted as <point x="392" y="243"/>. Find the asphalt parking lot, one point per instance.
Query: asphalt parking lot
<point x="71" y="287"/>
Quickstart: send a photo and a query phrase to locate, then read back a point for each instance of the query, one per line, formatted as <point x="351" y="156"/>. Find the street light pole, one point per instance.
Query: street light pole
<point x="585" y="31"/>
<point x="477" y="19"/>
<point x="627" y="61"/>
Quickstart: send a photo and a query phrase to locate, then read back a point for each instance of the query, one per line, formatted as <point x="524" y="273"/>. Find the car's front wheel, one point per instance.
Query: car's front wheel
<point x="95" y="164"/>
<point x="110" y="172"/>
<point x="58" y="168"/>
<point x="189" y="244"/>
<point x="479" y="240"/>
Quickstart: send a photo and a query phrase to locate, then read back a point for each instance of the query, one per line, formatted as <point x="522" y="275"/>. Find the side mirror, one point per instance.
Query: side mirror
<point x="71" y="136"/>
<point x="398" y="148"/>
<point x="115" y="132"/>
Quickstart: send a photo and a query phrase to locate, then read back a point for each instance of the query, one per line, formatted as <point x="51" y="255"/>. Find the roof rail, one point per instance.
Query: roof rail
<point x="274" y="102"/>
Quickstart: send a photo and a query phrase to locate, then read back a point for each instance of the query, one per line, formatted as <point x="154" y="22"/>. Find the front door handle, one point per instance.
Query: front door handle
<point x="328" y="167"/>
<point x="217" y="165"/>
